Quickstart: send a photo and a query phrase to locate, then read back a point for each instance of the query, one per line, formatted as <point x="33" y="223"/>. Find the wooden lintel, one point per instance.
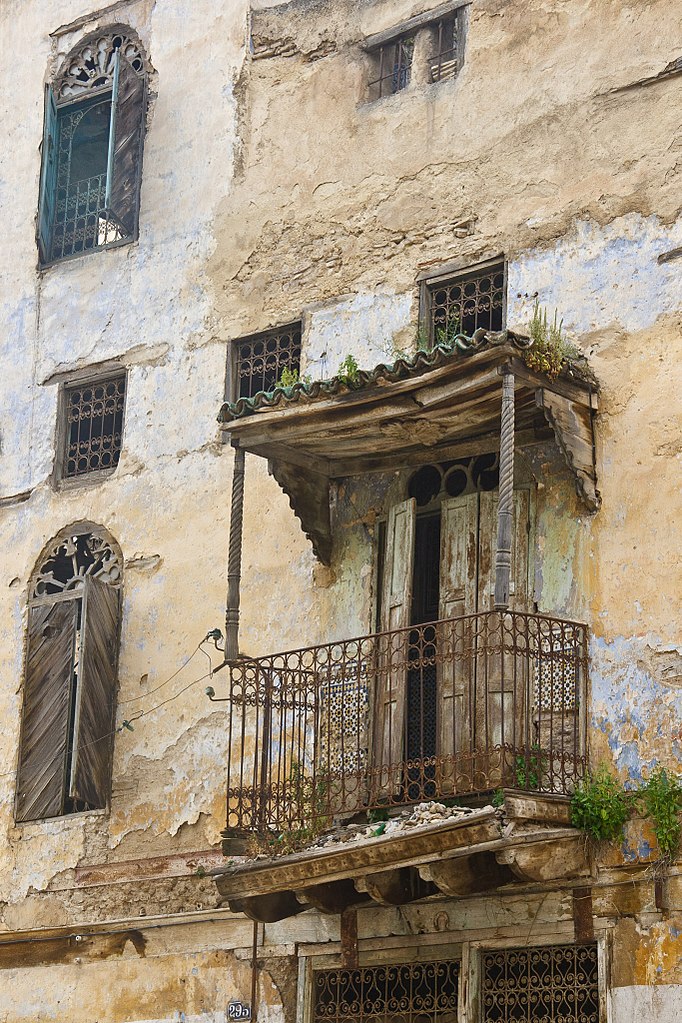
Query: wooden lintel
<point x="333" y="897"/>
<point x="583" y="394"/>
<point x="467" y="875"/>
<point x="267" y="909"/>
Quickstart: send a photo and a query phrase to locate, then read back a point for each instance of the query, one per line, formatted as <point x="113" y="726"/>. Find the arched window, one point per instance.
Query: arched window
<point x="70" y="681"/>
<point x="92" y="146"/>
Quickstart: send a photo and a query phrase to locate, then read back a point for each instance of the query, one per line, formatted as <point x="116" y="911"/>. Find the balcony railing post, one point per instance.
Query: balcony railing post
<point x="505" y="506"/>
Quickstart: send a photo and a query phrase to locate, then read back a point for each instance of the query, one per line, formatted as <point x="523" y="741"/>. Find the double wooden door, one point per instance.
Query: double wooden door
<point x="458" y="671"/>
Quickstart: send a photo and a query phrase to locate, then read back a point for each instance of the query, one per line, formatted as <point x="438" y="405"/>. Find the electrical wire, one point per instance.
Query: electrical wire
<point x="132" y="699"/>
<point x="128" y="723"/>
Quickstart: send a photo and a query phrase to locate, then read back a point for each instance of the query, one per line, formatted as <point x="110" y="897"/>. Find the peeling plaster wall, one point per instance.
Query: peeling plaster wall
<point x="149" y="306"/>
<point x="273" y="191"/>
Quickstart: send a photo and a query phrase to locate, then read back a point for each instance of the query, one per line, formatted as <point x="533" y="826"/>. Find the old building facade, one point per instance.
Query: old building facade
<point x="335" y="227"/>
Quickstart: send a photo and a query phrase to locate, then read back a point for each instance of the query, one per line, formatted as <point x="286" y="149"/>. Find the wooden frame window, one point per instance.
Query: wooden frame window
<point x="70" y="678"/>
<point x="256" y="363"/>
<point x="428" y="48"/>
<point x="464" y="300"/>
<point x="91" y="427"/>
<point x="92" y="148"/>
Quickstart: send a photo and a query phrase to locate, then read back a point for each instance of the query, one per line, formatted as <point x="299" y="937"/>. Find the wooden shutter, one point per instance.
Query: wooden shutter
<point x="458" y="557"/>
<point x="48" y="176"/>
<point x="45" y="722"/>
<point x="128" y="111"/>
<point x="98" y="661"/>
<point x="391" y="680"/>
<point x="501" y="676"/>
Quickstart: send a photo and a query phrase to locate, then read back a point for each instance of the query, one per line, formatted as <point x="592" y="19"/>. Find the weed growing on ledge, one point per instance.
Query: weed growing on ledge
<point x="661" y="799"/>
<point x="600" y="807"/>
<point x="349" y="371"/>
<point x="550" y="348"/>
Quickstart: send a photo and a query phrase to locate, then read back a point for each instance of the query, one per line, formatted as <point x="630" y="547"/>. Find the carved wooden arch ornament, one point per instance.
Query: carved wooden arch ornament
<point x="89" y="66"/>
<point x="77" y="553"/>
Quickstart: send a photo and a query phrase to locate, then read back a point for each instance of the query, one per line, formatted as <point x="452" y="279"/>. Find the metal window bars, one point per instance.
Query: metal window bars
<point x="549" y="984"/>
<point x="444" y="62"/>
<point x="424" y="992"/>
<point x="94" y="420"/>
<point x="393" y="67"/>
<point x="259" y="360"/>
<point x="455" y="707"/>
<point x="466" y="302"/>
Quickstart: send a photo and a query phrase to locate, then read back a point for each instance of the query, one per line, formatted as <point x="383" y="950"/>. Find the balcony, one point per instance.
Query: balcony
<point x="449" y="712"/>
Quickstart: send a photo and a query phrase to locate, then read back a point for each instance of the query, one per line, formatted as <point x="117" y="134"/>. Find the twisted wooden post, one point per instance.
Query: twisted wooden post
<point x="505" y="506"/>
<point x="234" y="558"/>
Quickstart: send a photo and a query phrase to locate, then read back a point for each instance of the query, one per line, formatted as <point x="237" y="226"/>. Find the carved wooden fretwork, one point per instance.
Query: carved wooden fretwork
<point x="91" y="66"/>
<point x="74" y="558"/>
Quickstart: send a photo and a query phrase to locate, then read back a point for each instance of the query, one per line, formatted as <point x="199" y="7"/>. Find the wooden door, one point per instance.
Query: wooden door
<point x="392" y="651"/>
<point x="455" y="654"/>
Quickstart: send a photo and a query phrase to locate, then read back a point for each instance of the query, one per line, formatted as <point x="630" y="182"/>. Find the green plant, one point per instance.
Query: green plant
<point x="422" y="339"/>
<point x="600" y="806"/>
<point x="529" y="768"/>
<point x="349" y="371"/>
<point x="445" y="336"/>
<point x="288" y="377"/>
<point x="377" y="815"/>
<point x="498" y="798"/>
<point x="307" y="802"/>
<point x="661" y="797"/>
<point x="550" y="348"/>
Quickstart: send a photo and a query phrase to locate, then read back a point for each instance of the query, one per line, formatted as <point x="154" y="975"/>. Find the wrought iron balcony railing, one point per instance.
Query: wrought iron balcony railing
<point x="436" y="711"/>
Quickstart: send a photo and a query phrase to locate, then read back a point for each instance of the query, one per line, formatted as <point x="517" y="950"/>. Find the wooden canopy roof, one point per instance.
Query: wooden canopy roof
<point x="439" y="405"/>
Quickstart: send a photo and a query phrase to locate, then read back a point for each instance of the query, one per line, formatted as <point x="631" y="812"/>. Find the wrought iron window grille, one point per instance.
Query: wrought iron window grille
<point x="424" y="992"/>
<point x="466" y="301"/>
<point x="259" y="360"/>
<point x="550" y="984"/>
<point x="93" y="427"/>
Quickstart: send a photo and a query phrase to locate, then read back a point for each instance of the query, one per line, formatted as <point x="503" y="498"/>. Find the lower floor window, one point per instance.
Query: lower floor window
<point x="402" y="993"/>
<point x="552" y="984"/>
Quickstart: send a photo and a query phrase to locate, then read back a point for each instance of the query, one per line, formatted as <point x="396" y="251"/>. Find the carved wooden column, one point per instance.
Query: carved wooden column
<point x="234" y="558"/>
<point x="505" y="506"/>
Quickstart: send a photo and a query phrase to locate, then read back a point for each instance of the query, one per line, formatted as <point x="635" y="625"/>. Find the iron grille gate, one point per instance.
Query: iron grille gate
<point x="401" y="993"/>
<point x="552" y="984"/>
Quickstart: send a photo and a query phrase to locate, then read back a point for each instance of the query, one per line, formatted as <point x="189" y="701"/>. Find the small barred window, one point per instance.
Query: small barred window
<point x="94" y="426"/>
<point x="261" y="360"/>
<point x="465" y="302"/>
<point x="423" y="992"/>
<point x="444" y="62"/>
<point x="392" y="67"/>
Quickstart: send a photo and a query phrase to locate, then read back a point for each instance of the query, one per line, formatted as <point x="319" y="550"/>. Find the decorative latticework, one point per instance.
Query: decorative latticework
<point x="91" y="66"/>
<point x="553" y="984"/>
<point x="94" y="426"/>
<point x="556" y="675"/>
<point x="402" y="993"/>
<point x="344" y="714"/>
<point x="433" y="483"/>
<point x="467" y="302"/>
<point x="261" y="359"/>
<point x="74" y="558"/>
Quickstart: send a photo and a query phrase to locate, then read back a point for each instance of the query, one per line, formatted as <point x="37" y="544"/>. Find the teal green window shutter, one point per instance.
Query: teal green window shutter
<point x="48" y="176"/>
<point x="128" y="110"/>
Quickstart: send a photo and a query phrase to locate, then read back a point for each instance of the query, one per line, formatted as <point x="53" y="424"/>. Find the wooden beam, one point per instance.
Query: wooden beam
<point x="583" y="921"/>
<point x="332" y="897"/>
<point x="267" y="909"/>
<point x="547" y="861"/>
<point x="467" y="875"/>
<point x="349" y="940"/>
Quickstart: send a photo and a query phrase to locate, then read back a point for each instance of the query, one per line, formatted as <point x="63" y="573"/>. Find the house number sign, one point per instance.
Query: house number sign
<point x="238" y="1011"/>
